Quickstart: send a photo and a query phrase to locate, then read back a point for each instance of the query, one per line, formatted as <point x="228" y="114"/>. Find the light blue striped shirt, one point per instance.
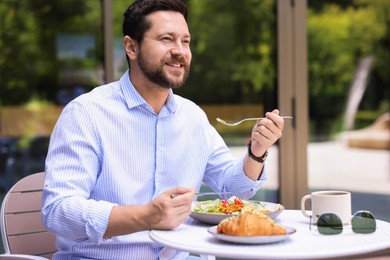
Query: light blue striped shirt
<point x="109" y="148"/>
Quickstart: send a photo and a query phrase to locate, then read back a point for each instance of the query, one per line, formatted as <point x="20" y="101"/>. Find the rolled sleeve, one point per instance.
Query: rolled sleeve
<point x="242" y="185"/>
<point x="97" y="221"/>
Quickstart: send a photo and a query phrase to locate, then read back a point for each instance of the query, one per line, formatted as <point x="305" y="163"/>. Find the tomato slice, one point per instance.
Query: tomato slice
<point x="225" y="203"/>
<point x="237" y="201"/>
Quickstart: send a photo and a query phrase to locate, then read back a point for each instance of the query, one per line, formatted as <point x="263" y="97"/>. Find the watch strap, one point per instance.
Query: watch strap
<point x="260" y="159"/>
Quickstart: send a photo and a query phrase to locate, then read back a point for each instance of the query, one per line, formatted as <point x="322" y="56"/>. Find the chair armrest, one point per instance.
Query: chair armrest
<point x="20" y="257"/>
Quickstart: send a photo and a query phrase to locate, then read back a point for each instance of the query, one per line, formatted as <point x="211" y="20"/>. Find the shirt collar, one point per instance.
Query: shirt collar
<point x="134" y="99"/>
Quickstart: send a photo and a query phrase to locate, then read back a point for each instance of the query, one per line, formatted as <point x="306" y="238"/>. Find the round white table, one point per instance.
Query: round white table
<point x="193" y="237"/>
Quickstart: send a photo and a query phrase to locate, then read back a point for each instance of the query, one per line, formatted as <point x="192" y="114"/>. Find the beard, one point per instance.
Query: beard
<point x="155" y="73"/>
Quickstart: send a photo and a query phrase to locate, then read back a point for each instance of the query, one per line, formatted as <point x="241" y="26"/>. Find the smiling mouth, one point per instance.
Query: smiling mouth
<point x="175" y="65"/>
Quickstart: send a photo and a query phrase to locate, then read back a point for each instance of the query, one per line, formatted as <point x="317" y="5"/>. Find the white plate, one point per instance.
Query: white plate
<point x="251" y="239"/>
<point x="214" y="219"/>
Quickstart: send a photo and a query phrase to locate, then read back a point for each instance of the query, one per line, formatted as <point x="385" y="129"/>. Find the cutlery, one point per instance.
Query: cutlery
<point x="246" y="119"/>
<point x="203" y="194"/>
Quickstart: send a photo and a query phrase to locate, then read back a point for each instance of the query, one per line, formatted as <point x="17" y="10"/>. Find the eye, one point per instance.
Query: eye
<point x="167" y="39"/>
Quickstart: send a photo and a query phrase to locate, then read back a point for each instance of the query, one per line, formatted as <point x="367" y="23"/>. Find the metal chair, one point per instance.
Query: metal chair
<point x="22" y="232"/>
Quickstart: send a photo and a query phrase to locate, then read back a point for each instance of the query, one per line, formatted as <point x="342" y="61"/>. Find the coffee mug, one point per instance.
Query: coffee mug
<point x="337" y="202"/>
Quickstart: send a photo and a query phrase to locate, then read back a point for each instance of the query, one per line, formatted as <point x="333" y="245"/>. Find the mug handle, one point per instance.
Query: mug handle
<point x="303" y="209"/>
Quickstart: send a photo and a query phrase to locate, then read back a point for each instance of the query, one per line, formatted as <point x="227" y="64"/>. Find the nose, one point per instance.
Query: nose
<point x="178" y="49"/>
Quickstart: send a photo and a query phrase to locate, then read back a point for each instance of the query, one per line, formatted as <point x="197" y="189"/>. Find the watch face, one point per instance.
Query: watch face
<point x="265" y="155"/>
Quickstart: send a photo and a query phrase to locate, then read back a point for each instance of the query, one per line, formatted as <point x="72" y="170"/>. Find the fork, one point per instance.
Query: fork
<point x="174" y="195"/>
<point x="246" y="119"/>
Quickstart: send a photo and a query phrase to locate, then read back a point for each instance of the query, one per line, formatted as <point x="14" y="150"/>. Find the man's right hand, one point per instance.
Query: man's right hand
<point x="165" y="212"/>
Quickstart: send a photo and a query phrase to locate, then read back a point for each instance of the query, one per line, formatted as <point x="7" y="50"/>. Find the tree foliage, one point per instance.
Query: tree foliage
<point x="339" y="36"/>
<point x="29" y="66"/>
<point x="233" y="46"/>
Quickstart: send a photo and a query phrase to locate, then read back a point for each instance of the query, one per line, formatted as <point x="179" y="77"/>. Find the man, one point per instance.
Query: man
<point x="117" y="153"/>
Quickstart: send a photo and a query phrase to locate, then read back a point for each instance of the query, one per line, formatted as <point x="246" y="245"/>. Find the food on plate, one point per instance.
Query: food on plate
<point x="250" y="222"/>
<point x="233" y="205"/>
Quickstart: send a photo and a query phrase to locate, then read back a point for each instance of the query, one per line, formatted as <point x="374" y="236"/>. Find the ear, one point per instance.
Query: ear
<point x="131" y="47"/>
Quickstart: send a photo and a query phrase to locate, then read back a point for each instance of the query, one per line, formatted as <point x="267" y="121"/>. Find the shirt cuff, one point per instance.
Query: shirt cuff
<point x="97" y="221"/>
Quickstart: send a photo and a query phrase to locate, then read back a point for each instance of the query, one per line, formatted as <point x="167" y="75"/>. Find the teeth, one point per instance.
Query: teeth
<point x="175" y="65"/>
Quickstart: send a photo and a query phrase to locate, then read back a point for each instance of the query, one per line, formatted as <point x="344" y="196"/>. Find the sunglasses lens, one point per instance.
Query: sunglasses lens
<point x="363" y="222"/>
<point x="329" y="224"/>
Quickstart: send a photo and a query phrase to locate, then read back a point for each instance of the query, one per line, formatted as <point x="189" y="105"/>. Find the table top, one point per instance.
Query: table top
<point x="193" y="237"/>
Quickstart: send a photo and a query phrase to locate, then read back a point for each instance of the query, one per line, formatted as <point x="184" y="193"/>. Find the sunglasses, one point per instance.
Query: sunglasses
<point x="363" y="222"/>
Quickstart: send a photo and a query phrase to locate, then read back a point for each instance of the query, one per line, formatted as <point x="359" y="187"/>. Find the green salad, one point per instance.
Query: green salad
<point x="233" y="205"/>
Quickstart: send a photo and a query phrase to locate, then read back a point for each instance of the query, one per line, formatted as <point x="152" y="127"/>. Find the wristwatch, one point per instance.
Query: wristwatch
<point x="260" y="159"/>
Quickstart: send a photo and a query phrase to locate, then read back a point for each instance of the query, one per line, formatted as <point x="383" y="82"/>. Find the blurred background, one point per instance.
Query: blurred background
<point x="336" y="86"/>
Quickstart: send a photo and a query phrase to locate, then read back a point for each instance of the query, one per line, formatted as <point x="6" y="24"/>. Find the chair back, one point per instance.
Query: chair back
<point x="22" y="230"/>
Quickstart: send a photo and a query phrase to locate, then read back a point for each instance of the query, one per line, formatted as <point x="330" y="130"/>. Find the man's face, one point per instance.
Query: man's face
<point x="165" y="55"/>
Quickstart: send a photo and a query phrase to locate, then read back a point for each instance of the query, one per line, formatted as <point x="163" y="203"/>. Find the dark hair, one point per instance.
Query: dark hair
<point x="135" y="23"/>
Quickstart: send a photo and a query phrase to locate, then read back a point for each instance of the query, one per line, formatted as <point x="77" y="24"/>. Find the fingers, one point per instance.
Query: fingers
<point x="182" y="201"/>
<point x="267" y="131"/>
<point x="275" y="118"/>
<point x="177" y="192"/>
<point x="168" y="212"/>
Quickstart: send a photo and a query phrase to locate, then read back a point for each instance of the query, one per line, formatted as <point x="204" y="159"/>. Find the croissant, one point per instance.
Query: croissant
<point x="250" y="222"/>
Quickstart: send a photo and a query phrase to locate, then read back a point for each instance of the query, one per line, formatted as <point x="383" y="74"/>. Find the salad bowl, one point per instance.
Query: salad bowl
<point x="202" y="210"/>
